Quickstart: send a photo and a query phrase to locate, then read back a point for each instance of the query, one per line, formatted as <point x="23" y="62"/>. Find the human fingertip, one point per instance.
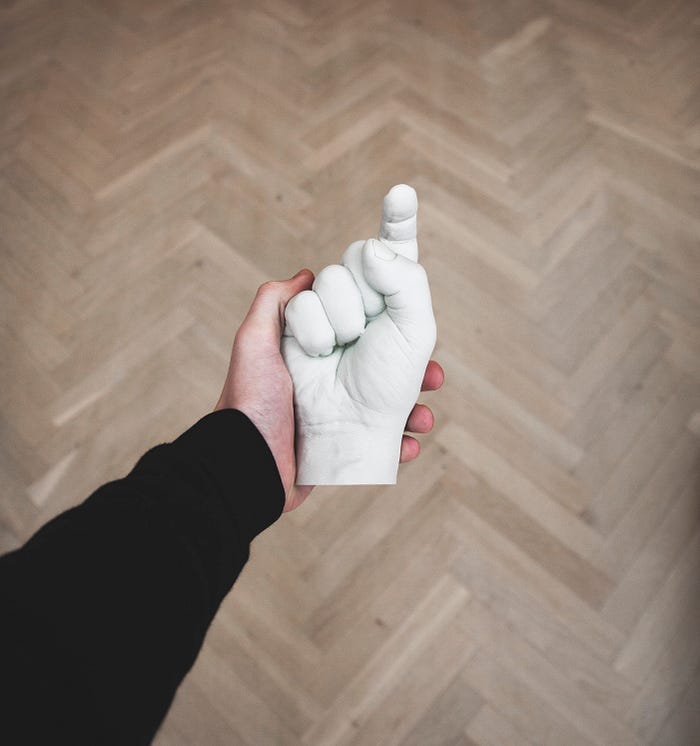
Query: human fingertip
<point x="302" y="280"/>
<point x="410" y="449"/>
<point x="436" y="374"/>
<point x="305" y="276"/>
<point x="433" y="378"/>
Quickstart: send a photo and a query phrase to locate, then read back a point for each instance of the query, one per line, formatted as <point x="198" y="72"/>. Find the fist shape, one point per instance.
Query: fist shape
<point x="356" y="347"/>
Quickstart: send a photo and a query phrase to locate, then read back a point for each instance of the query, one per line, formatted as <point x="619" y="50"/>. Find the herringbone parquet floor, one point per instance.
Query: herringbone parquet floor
<point x="534" y="577"/>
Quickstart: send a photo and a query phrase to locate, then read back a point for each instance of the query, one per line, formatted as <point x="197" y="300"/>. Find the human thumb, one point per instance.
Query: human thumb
<point x="404" y="285"/>
<point x="266" y="314"/>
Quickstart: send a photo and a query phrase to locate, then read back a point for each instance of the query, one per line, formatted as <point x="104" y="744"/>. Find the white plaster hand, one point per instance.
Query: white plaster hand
<point x="356" y="347"/>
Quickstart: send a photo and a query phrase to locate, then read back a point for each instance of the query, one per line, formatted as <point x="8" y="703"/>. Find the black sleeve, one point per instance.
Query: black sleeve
<point x="104" y="610"/>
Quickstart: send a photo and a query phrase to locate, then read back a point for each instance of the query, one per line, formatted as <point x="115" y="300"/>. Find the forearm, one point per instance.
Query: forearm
<point x="109" y="603"/>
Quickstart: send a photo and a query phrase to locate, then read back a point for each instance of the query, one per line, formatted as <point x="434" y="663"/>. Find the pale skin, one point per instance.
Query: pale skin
<point x="258" y="383"/>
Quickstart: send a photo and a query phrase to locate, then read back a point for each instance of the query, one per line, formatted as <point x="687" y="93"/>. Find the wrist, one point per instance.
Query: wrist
<point x="339" y="453"/>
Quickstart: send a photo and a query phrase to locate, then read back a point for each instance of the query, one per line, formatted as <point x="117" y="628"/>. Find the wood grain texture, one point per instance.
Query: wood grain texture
<point x="534" y="576"/>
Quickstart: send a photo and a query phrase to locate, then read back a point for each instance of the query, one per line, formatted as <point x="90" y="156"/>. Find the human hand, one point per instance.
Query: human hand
<point x="259" y="385"/>
<point x="258" y="382"/>
<point x="357" y="348"/>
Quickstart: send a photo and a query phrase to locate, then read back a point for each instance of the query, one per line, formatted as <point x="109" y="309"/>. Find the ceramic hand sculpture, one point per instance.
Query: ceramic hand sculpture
<point x="356" y="347"/>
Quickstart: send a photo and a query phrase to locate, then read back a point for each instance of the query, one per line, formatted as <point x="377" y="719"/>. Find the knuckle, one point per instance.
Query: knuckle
<point x="268" y="287"/>
<point x="330" y="276"/>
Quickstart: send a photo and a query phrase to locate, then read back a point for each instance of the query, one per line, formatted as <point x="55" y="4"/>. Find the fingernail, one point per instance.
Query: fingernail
<point x="381" y="251"/>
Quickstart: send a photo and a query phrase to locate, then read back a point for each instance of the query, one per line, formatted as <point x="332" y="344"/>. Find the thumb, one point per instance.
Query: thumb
<point x="266" y="314"/>
<point x="398" y="227"/>
<point x="404" y="285"/>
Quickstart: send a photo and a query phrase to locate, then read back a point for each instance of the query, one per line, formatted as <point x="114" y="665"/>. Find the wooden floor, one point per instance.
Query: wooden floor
<point x="534" y="577"/>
